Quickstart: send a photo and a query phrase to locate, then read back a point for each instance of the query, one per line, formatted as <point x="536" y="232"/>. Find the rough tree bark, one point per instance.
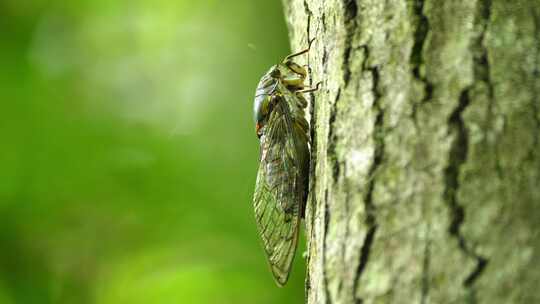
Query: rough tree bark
<point x="425" y="182"/>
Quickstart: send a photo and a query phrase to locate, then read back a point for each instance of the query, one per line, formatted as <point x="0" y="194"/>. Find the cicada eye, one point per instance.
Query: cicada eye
<point x="276" y="73"/>
<point x="262" y="107"/>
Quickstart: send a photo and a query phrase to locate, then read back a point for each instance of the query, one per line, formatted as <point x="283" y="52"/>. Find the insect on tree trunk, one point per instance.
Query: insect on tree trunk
<point x="425" y="161"/>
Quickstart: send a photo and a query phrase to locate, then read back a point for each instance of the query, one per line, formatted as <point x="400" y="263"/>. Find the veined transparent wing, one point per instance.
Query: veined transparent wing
<point x="280" y="189"/>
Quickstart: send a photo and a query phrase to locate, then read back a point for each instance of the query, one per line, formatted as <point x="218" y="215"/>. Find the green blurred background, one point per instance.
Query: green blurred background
<point x="128" y="154"/>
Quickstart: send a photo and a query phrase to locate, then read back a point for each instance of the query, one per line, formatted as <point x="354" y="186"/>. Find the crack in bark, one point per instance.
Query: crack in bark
<point x="309" y="14"/>
<point x="312" y="182"/>
<point x="364" y="257"/>
<point x="346" y="236"/>
<point x="459" y="149"/>
<point x="331" y="154"/>
<point x="350" y="13"/>
<point x="425" y="271"/>
<point x="371" y="220"/>
<point x="535" y="100"/>
<point x="332" y="138"/>
<point x="457" y="157"/>
<point x="482" y="67"/>
<point x="325" y="249"/>
<point x="483" y="72"/>
<point x="313" y="156"/>
<point x="336" y="166"/>
<point x="416" y="59"/>
<point x="483" y="61"/>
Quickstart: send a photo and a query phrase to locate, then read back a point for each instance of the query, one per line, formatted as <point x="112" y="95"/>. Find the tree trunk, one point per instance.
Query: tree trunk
<point x="425" y="169"/>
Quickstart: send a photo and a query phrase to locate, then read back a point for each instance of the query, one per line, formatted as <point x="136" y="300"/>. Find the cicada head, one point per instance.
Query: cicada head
<point x="291" y="73"/>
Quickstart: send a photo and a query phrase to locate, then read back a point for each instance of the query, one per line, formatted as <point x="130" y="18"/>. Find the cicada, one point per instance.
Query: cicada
<point x="282" y="180"/>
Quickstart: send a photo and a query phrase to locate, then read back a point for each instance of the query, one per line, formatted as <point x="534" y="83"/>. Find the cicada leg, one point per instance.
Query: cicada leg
<point x="309" y="90"/>
<point x="302" y="52"/>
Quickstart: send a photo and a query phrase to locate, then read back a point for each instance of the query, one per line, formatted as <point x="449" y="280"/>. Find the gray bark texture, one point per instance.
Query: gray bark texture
<point x="425" y="170"/>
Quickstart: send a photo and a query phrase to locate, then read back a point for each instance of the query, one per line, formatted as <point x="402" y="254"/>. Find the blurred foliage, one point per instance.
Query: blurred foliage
<point x="128" y="154"/>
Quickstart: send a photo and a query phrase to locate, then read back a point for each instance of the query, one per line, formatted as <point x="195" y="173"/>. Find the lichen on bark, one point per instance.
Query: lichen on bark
<point x="425" y="150"/>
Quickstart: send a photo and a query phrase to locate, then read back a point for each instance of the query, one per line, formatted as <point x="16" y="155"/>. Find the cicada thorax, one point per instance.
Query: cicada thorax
<point x="296" y="104"/>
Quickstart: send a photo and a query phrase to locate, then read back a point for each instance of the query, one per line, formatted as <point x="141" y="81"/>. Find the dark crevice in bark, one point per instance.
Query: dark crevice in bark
<point x="309" y="14"/>
<point x="482" y="73"/>
<point x="312" y="133"/>
<point x="325" y="247"/>
<point x="364" y="257"/>
<point x="307" y="281"/>
<point x="417" y="59"/>
<point x="314" y="162"/>
<point x="460" y="146"/>
<point x="346" y="236"/>
<point x="480" y="266"/>
<point x="366" y="67"/>
<point x="350" y="13"/>
<point x="535" y="100"/>
<point x="370" y="209"/>
<point x="332" y="138"/>
<point x="482" y="68"/>
<point x="325" y="58"/>
<point x="457" y="157"/>
<point x="312" y="194"/>
<point x="420" y="35"/>
<point x="425" y="271"/>
<point x="326" y="206"/>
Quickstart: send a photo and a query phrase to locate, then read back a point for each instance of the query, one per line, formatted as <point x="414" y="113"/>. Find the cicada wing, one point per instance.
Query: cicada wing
<point x="279" y="192"/>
